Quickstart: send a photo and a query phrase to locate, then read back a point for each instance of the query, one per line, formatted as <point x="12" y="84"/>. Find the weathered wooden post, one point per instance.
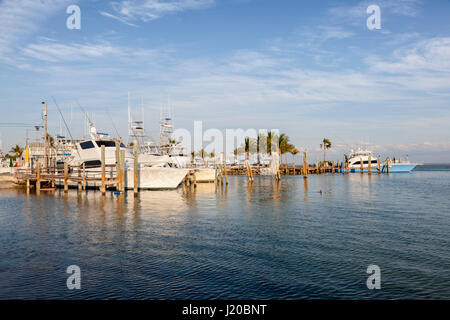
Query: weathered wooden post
<point x="344" y="165"/>
<point x="79" y="180"/>
<point x="225" y="169"/>
<point x="194" y="176"/>
<point x="84" y="176"/>
<point x="387" y="165"/>
<point x="361" y="165"/>
<point x="66" y="177"/>
<point x="369" y="168"/>
<point x="332" y="167"/>
<point x="28" y="186"/>
<point x="378" y="165"/>
<point x="246" y="169"/>
<point x="216" y="173"/>
<point x="117" y="166"/>
<point x="250" y="172"/>
<point x="136" y="168"/>
<point x="305" y="165"/>
<point x="122" y="169"/>
<point x="103" y="187"/>
<point x="38" y="178"/>
<point x="187" y="178"/>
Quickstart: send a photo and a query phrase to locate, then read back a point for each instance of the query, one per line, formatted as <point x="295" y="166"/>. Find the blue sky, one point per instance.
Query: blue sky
<point x="309" y="68"/>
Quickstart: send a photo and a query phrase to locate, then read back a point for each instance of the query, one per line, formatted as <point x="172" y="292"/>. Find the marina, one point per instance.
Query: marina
<point x="103" y="162"/>
<point x="224" y="159"/>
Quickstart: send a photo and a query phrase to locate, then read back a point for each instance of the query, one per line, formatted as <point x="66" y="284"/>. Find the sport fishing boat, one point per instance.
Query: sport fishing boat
<point x="356" y="157"/>
<point x="152" y="174"/>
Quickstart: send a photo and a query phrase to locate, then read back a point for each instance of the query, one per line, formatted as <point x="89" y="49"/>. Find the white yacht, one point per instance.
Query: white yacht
<point x="355" y="158"/>
<point x="152" y="175"/>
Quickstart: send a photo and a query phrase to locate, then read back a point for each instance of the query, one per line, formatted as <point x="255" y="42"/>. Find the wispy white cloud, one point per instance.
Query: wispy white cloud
<point x="55" y="52"/>
<point x="109" y="15"/>
<point x="129" y="11"/>
<point x="427" y="56"/>
<point x="21" y="18"/>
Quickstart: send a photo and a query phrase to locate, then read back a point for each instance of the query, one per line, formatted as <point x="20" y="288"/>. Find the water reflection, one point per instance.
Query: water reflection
<point x="263" y="240"/>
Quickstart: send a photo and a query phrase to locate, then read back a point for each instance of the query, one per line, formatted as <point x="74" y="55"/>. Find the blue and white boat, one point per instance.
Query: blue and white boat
<point x="356" y="157"/>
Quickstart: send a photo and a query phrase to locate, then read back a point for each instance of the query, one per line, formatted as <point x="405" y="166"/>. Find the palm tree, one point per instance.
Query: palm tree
<point x="192" y="156"/>
<point x="16" y="151"/>
<point x="270" y="136"/>
<point x="283" y="145"/>
<point x="326" y="144"/>
<point x="51" y="141"/>
<point x="249" y="146"/>
<point x="294" y="151"/>
<point x="260" y="139"/>
<point x="235" y="152"/>
<point x="202" y="154"/>
<point x="213" y="155"/>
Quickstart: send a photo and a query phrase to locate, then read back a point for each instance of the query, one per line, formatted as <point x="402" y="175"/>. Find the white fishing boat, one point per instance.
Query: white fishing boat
<point x="364" y="156"/>
<point x="152" y="174"/>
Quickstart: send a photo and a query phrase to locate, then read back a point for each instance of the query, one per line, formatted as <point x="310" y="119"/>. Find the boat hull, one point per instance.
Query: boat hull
<point x="149" y="178"/>
<point x="401" y="167"/>
<point x="394" y="167"/>
<point x="156" y="178"/>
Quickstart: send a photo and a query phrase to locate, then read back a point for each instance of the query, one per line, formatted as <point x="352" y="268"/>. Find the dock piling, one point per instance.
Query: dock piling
<point x="361" y="165"/>
<point x="103" y="187"/>
<point x="305" y="165"/>
<point x="79" y="180"/>
<point x="378" y="165"/>
<point x="122" y="171"/>
<point x="66" y="177"/>
<point x="136" y="168"/>
<point x="38" y="178"/>
<point x="117" y="166"/>
<point x="84" y="176"/>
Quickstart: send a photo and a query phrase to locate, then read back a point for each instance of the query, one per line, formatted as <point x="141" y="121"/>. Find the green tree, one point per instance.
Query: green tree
<point x="261" y="143"/>
<point x="249" y="146"/>
<point x="16" y="152"/>
<point x="202" y="154"/>
<point x="236" y="153"/>
<point x="325" y="145"/>
<point x="294" y="151"/>
<point x="283" y="145"/>
<point x="271" y="137"/>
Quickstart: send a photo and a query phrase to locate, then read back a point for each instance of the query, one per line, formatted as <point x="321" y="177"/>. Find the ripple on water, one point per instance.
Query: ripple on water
<point x="265" y="241"/>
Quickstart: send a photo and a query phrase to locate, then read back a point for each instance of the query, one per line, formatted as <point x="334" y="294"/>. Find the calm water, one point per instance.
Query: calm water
<point x="267" y="241"/>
